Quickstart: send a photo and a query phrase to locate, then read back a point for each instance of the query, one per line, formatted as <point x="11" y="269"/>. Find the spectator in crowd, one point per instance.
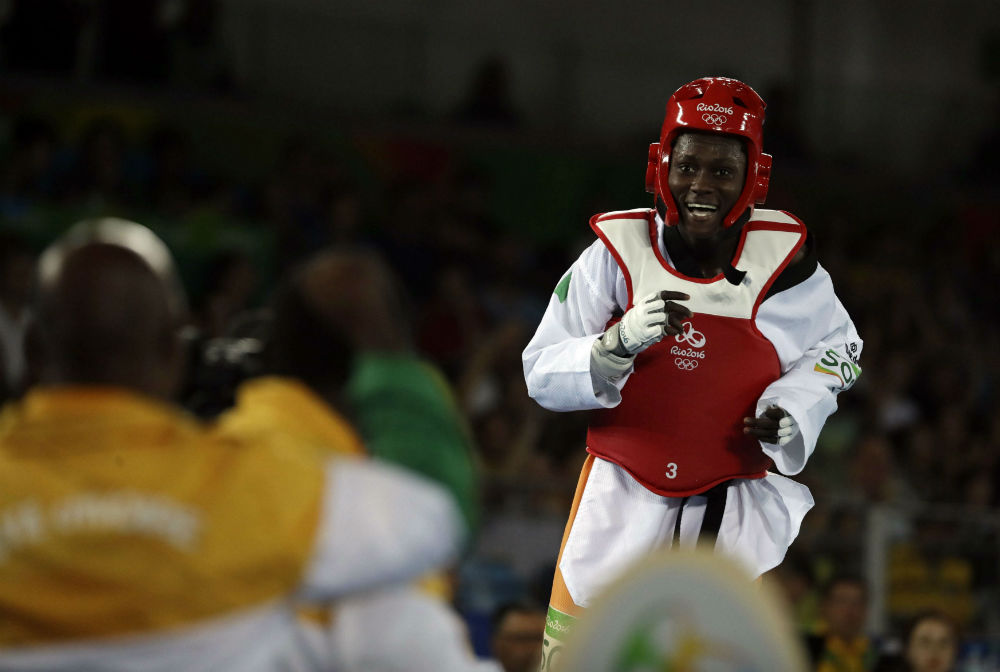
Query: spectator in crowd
<point x="338" y="330"/>
<point x="931" y="643"/>
<point x="98" y="176"/>
<point x="230" y="286"/>
<point x="143" y="539"/>
<point x="338" y="342"/>
<point x="796" y="581"/>
<point x="294" y="201"/>
<point x="872" y="474"/>
<point x="171" y="180"/>
<point x="29" y="174"/>
<point x="928" y="569"/>
<point x="841" y="643"/>
<point x="488" y="101"/>
<point x="197" y="57"/>
<point x="346" y="215"/>
<point x="17" y="264"/>
<point x="518" y="629"/>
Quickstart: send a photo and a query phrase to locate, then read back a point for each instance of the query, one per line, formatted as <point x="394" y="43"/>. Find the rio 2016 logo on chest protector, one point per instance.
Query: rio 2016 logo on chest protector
<point x="687" y="358"/>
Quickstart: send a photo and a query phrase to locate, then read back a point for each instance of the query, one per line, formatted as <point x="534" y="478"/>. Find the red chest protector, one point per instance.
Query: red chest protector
<point x="679" y="427"/>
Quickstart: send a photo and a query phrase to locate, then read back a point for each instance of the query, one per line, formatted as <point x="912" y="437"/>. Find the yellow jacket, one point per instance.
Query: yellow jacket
<point x="127" y="529"/>
<point x="288" y="411"/>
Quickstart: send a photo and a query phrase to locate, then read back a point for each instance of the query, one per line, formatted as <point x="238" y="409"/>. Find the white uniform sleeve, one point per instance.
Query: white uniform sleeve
<point x="557" y="359"/>
<point x="818" y="347"/>
<point x="379" y="525"/>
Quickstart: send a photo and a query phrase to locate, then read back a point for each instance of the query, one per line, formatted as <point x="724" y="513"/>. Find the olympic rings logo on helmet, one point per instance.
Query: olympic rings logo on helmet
<point x="714" y="119"/>
<point x="685" y="364"/>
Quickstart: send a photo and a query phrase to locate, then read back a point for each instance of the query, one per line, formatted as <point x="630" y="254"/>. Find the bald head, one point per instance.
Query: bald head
<point x="107" y="316"/>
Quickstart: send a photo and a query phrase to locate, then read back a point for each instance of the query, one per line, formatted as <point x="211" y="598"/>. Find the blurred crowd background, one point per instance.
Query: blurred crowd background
<point x="189" y="117"/>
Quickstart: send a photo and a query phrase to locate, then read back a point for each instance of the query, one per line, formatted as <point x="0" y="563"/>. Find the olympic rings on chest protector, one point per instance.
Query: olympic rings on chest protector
<point x="685" y="364"/>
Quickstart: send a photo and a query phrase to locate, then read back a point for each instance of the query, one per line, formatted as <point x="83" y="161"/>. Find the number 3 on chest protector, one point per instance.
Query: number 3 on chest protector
<point x="671" y="470"/>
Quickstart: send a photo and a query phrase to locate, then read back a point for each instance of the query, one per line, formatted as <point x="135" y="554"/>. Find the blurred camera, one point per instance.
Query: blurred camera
<point x="218" y="365"/>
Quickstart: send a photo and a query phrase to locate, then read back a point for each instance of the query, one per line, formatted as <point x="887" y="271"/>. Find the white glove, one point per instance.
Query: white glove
<point x="787" y="429"/>
<point x="606" y="365"/>
<point x="775" y="425"/>
<point x="642" y="325"/>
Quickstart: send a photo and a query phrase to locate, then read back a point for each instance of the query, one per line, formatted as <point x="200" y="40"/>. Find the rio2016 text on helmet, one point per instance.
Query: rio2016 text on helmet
<point x="712" y="105"/>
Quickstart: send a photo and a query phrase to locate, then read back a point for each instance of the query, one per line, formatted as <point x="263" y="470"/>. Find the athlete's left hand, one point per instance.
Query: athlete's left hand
<point x="774" y="425"/>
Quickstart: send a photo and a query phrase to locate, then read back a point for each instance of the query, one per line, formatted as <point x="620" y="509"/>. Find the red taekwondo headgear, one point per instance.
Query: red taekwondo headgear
<point x="714" y="105"/>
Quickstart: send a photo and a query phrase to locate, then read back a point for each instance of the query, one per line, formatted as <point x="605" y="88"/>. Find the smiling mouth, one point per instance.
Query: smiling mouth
<point x="701" y="207"/>
<point x="701" y="211"/>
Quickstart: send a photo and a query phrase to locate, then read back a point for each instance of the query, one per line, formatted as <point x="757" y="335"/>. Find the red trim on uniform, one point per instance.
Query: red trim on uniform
<point x="775" y="226"/>
<point x="641" y="214"/>
<point x="611" y="248"/>
<point x="740" y="245"/>
<point x="765" y="225"/>
<point x="677" y="274"/>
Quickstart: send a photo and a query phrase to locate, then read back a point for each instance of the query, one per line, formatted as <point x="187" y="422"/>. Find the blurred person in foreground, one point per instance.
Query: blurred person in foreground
<point x="710" y="346"/>
<point x="339" y="345"/>
<point x="134" y="538"/>
<point x="841" y="644"/>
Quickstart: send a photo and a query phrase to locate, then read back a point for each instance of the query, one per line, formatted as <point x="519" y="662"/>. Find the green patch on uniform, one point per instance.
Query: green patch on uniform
<point x="557" y="624"/>
<point x="837" y="365"/>
<point x="562" y="289"/>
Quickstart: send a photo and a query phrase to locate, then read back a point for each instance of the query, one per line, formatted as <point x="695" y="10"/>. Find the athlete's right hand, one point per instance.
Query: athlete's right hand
<point x="647" y="322"/>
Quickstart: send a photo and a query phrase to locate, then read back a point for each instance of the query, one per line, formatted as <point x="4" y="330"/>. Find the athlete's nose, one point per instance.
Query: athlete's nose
<point x="700" y="182"/>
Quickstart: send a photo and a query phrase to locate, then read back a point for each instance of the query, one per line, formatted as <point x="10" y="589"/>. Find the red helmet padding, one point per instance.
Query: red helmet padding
<point x="713" y="105"/>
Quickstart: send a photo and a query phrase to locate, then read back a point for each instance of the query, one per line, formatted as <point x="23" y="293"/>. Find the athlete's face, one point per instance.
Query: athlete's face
<point x="706" y="178"/>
